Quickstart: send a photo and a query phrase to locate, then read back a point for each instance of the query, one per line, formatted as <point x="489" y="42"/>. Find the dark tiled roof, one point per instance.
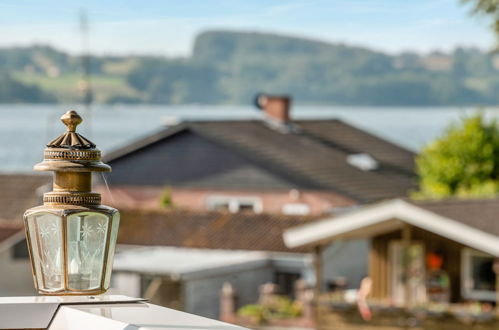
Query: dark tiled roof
<point x="353" y="140"/>
<point x="9" y="229"/>
<point x="18" y="193"/>
<point x="482" y="214"/>
<point x="207" y="230"/>
<point x="189" y="159"/>
<point x="314" y="157"/>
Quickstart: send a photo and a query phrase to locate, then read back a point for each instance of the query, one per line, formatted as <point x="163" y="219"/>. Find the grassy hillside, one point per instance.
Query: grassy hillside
<point x="230" y="67"/>
<point x="106" y="87"/>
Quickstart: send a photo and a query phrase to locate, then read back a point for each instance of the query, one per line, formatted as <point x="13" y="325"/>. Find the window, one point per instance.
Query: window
<point x="407" y="273"/>
<point x="246" y="206"/>
<point x="286" y="282"/>
<point x="478" y="279"/>
<point x="296" y="209"/>
<point x="362" y="161"/>
<point x="219" y="205"/>
<point x="234" y="204"/>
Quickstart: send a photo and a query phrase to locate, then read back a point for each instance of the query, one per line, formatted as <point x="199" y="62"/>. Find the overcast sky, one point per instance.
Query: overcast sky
<point x="168" y="27"/>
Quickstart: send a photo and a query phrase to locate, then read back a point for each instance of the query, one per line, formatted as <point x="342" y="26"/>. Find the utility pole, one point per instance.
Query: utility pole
<point x="84" y="85"/>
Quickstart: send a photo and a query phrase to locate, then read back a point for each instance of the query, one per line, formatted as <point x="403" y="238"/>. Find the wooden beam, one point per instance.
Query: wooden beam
<point x="374" y="269"/>
<point x="406" y="243"/>
<point x="495" y="268"/>
<point x="406" y="234"/>
<point x="153" y="288"/>
<point x="497" y="294"/>
<point x="318" y="267"/>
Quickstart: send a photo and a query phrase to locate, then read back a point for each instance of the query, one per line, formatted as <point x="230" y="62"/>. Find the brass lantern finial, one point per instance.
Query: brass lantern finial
<point x="70" y="139"/>
<point x="71" y="119"/>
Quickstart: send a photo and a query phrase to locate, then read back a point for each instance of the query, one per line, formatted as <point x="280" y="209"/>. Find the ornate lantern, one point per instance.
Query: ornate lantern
<point x="71" y="237"/>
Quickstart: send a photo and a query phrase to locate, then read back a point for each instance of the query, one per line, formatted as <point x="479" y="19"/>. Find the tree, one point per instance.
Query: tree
<point x="487" y="7"/>
<point x="464" y="162"/>
<point x="175" y="81"/>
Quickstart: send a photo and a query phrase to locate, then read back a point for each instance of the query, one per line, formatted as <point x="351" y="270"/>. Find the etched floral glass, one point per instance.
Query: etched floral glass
<point x="112" y="244"/>
<point x="87" y="235"/>
<point x="72" y="252"/>
<point x="45" y="235"/>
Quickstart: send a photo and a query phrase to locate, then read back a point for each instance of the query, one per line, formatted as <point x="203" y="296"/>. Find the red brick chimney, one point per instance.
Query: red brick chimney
<point x="276" y="107"/>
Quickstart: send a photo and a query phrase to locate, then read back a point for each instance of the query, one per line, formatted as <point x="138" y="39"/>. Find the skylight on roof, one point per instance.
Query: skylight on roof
<point x="362" y="161"/>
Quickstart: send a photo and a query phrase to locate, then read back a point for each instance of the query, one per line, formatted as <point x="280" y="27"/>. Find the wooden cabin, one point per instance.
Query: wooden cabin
<point x="421" y="252"/>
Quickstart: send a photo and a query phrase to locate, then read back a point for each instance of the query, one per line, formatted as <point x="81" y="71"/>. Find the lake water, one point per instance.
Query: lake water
<point x="24" y="129"/>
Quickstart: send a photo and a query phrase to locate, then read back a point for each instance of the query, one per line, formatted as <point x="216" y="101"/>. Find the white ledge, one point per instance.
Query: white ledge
<point x="56" y="313"/>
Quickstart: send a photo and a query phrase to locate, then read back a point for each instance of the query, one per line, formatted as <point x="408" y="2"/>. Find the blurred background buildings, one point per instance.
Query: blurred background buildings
<point x="307" y="163"/>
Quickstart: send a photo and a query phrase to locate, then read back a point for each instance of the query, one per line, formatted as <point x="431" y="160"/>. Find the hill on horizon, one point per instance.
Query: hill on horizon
<point x="229" y="67"/>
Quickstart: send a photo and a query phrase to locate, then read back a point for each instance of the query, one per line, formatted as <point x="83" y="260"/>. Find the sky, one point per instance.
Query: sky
<point x="169" y="27"/>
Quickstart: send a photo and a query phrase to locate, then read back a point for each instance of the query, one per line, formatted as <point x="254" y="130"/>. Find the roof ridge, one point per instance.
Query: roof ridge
<point x="144" y="141"/>
<point x="456" y="200"/>
<point x="184" y="211"/>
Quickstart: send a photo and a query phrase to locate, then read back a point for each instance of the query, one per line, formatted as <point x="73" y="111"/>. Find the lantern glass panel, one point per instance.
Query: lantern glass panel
<point x="86" y="238"/>
<point x="112" y="244"/>
<point x="45" y="235"/>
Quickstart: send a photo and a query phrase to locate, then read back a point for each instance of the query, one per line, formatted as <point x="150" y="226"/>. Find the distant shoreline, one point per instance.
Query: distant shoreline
<point x="118" y="125"/>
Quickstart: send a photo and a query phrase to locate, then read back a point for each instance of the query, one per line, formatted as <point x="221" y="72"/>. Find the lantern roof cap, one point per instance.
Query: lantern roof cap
<point x="70" y="139"/>
<point x="72" y="152"/>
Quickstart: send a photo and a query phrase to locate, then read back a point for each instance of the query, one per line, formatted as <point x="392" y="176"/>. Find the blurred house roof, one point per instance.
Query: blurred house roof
<point x="312" y="155"/>
<point x="472" y="223"/>
<point x="207" y="230"/>
<point x="482" y="214"/>
<point x="18" y="192"/>
<point x="7" y="231"/>
<point x="184" y="263"/>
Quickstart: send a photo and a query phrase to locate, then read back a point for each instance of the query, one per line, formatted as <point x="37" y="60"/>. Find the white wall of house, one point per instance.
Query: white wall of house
<point x="202" y="296"/>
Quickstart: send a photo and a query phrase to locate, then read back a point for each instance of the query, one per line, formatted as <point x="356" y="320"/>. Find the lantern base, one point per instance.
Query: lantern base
<point x="93" y="293"/>
<point x="108" y="299"/>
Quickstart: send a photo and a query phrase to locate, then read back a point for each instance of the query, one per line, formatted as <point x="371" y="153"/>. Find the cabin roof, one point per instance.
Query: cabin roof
<point x="470" y="222"/>
<point x="482" y="214"/>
